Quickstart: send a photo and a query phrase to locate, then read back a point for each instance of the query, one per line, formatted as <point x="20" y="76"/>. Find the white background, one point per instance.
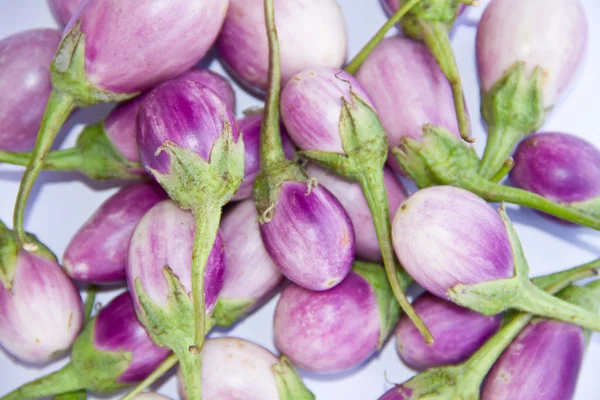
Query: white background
<point x="61" y="203"/>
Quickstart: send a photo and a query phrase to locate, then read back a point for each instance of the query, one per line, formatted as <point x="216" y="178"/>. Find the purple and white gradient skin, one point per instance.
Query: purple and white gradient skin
<point x="543" y="362"/>
<point x="312" y="34"/>
<point x="249" y="128"/>
<point x="120" y="125"/>
<point x="98" y="252"/>
<point x="25" y="88"/>
<point x="329" y="331"/>
<point x="558" y="166"/>
<point x="250" y="272"/>
<point x="118" y="329"/>
<point x="311" y="105"/>
<point x="151" y="396"/>
<point x="184" y="113"/>
<point x="42" y="314"/>
<point x="514" y="30"/>
<point x="458" y="333"/>
<point x="165" y="236"/>
<point x="353" y="200"/>
<point x="311" y="237"/>
<point x="63" y="10"/>
<point x="408" y="90"/>
<point x="391" y="6"/>
<point x="118" y="57"/>
<point x="239" y="369"/>
<point x="445" y="236"/>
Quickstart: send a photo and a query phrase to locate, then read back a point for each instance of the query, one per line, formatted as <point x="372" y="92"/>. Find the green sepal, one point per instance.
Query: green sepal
<point x="389" y="309"/>
<point x="67" y="72"/>
<point x="289" y="383"/>
<point x="429" y="11"/>
<point x="9" y="251"/>
<point x="192" y="181"/>
<point x="229" y="311"/>
<point x="100" y="159"/>
<point x="588" y="207"/>
<point x="364" y="141"/>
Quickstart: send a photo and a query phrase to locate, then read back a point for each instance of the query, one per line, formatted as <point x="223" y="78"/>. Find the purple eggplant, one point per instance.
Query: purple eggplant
<point x="337" y="329"/>
<point x="98" y="251"/>
<point x="329" y="116"/>
<point x="25" y="86"/>
<point x="458" y="333"/>
<point x="408" y="90"/>
<point x="488" y="272"/>
<point x="313" y="34"/>
<point x="251" y="276"/>
<point x="41" y="312"/>
<point x="160" y="277"/>
<point x="351" y="196"/>
<point x="524" y="67"/>
<point x="113" y="352"/>
<point x="63" y="10"/>
<point x="560" y="167"/>
<point x="250" y="131"/>
<point x="111" y="51"/>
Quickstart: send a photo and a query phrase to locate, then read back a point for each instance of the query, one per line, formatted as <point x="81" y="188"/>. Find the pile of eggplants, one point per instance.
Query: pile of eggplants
<point x="301" y="200"/>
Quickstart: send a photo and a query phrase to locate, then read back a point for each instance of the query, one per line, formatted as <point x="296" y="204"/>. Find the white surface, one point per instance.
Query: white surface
<point x="64" y="202"/>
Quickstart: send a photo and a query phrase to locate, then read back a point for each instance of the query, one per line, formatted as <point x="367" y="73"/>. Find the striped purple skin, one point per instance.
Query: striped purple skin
<point x="397" y="393"/>
<point x="391" y="6"/>
<point x="558" y="166"/>
<point x="120" y="125"/>
<point x="310" y="237"/>
<point x="250" y="272"/>
<point x="249" y="129"/>
<point x="25" y="85"/>
<point x="351" y="196"/>
<point x="184" y="113"/>
<point x="542" y="363"/>
<point x="458" y="333"/>
<point x="42" y="314"/>
<point x="444" y="236"/>
<point x="118" y="57"/>
<point x="98" y="252"/>
<point x="165" y="236"/>
<point x="328" y="331"/>
<point x="312" y="34"/>
<point x="515" y="30"/>
<point x="63" y="10"/>
<point x="118" y="329"/>
<point x="408" y="90"/>
<point x="311" y="105"/>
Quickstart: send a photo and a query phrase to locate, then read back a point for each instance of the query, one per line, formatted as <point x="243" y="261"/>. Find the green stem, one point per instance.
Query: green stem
<point x="207" y="225"/>
<point x="500" y="145"/>
<point x="508" y="165"/>
<point x="62" y="381"/>
<point x="89" y="302"/>
<point x="60" y="105"/>
<point x="435" y="37"/>
<point x="58" y="160"/>
<point x="157" y="373"/>
<point x="554" y="282"/>
<point x="76" y="395"/>
<point x="373" y="188"/>
<point x="357" y="61"/>
<point x="191" y="371"/>
<point x="271" y="150"/>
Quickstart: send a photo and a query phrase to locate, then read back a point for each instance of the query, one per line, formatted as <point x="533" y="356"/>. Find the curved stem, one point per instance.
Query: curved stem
<point x="508" y="165"/>
<point x="191" y="372"/>
<point x="271" y="150"/>
<point x="157" y="373"/>
<point x="500" y="145"/>
<point x="435" y="37"/>
<point x="373" y="188"/>
<point x="62" y="381"/>
<point x="362" y="55"/>
<point x="58" y="160"/>
<point x="60" y="105"/>
<point x="89" y="302"/>
<point x="554" y="282"/>
<point x="207" y="225"/>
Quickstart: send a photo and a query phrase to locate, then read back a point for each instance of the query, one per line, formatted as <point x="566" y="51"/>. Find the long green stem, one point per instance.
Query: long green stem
<point x="362" y="55"/>
<point x="58" y="160"/>
<point x="157" y="373"/>
<point x="373" y="188"/>
<point x="500" y="145"/>
<point x="435" y="37"/>
<point x="90" y="300"/>
<point x="554" y="282"/>
<point x="191" y="371"/>
<point x="60" y="105"/>
<point x="62" y="381"/>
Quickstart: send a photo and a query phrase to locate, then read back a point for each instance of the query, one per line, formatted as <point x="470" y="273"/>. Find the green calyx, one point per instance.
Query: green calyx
<point x="429" y="11"/>
<point x="513" y="108"/>
<point x="229" y="311"/>
<point x="289" y="383"/>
